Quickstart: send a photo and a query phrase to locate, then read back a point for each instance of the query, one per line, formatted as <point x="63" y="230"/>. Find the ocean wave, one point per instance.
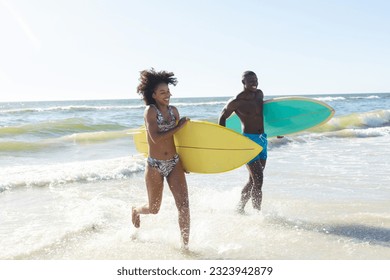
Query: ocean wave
<point x="67" y="173"/>
<point x="356" y="125"/>
<point x="330" y="98"/>
<point x="359" y="133"/>
<point x="196" y="104"/>
<point x="368" y="124"/>
<point x="73" y="108"/>
<point x="366" y="97"/>
<point x="58" y="127"/>
<point x="305" y="137"/>
<point x="84" y="138"/>
<point x="20" y="146"/>
<point x="94" y="108"/>
<point x="373" y="119"/>
<point x="99" y="136"/>
<point x="345" y="97"/>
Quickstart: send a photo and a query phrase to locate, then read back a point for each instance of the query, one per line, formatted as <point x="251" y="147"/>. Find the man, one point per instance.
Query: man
<point x="248" y="105"/>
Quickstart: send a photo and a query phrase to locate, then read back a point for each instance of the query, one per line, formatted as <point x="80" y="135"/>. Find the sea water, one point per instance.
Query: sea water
<point x="69" y="174"/>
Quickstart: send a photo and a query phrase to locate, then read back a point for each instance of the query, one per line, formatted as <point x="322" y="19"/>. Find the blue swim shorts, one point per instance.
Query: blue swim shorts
<point x="260" y="139"/>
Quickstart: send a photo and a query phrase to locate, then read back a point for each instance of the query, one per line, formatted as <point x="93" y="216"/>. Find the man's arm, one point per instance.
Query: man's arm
<point x="226" y="112"/>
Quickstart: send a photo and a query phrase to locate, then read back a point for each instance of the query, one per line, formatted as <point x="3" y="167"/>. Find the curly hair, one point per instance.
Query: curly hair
<point x="149" y="79"/>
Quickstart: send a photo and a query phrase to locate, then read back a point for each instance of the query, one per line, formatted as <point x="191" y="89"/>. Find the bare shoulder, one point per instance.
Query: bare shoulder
<point x="232" y="102"/>
<point x="148" y="108"/>
<point x="260" y="93"/>
<point x="150" y="111"/>
<point x="175" y="111"/>
<point x="239" y="96"/>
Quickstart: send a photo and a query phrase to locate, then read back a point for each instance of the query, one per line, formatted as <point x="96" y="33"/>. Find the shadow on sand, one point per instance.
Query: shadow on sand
<point x="372" y="235"/>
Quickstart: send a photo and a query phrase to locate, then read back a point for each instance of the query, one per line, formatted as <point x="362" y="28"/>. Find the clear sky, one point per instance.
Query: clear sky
<point x="94" y="49"/>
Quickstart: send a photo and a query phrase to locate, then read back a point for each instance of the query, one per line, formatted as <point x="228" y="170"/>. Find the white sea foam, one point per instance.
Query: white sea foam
<point x="330" y="98"/>
<point x="70" y="172"/>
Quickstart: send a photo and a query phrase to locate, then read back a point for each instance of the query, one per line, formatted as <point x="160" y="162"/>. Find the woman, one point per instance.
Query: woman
<point x="162" y="121"/>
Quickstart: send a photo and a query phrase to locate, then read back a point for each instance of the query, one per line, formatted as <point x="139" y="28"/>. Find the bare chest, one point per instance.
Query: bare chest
<point x="248" y="108"/>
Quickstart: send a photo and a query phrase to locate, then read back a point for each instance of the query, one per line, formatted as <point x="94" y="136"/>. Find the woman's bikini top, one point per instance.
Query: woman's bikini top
<point x="162" y="124"/>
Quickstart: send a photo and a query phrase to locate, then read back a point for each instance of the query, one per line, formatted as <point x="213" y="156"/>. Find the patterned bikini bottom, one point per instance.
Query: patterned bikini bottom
<point x="164" y="167"/>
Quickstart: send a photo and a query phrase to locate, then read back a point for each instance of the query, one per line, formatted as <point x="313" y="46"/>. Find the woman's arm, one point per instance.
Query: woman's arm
<point x="152" y="128"/>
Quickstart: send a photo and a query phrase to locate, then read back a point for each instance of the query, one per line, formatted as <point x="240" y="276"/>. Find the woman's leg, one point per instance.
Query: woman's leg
<point x="154" y="185"/>
<point x="178" y="185"/>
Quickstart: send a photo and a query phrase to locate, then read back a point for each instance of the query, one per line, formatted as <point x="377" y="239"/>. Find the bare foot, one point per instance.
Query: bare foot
<point x="185" y="247"/>
<point x="240" y="209"/>
<point x="135" y="217"/>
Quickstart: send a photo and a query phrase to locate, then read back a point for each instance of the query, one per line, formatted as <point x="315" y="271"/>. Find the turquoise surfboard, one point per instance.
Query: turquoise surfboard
<point x="287" y="115"/>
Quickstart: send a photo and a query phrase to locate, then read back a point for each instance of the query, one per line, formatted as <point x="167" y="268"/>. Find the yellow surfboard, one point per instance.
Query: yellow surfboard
<point x="206" y="147"/>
